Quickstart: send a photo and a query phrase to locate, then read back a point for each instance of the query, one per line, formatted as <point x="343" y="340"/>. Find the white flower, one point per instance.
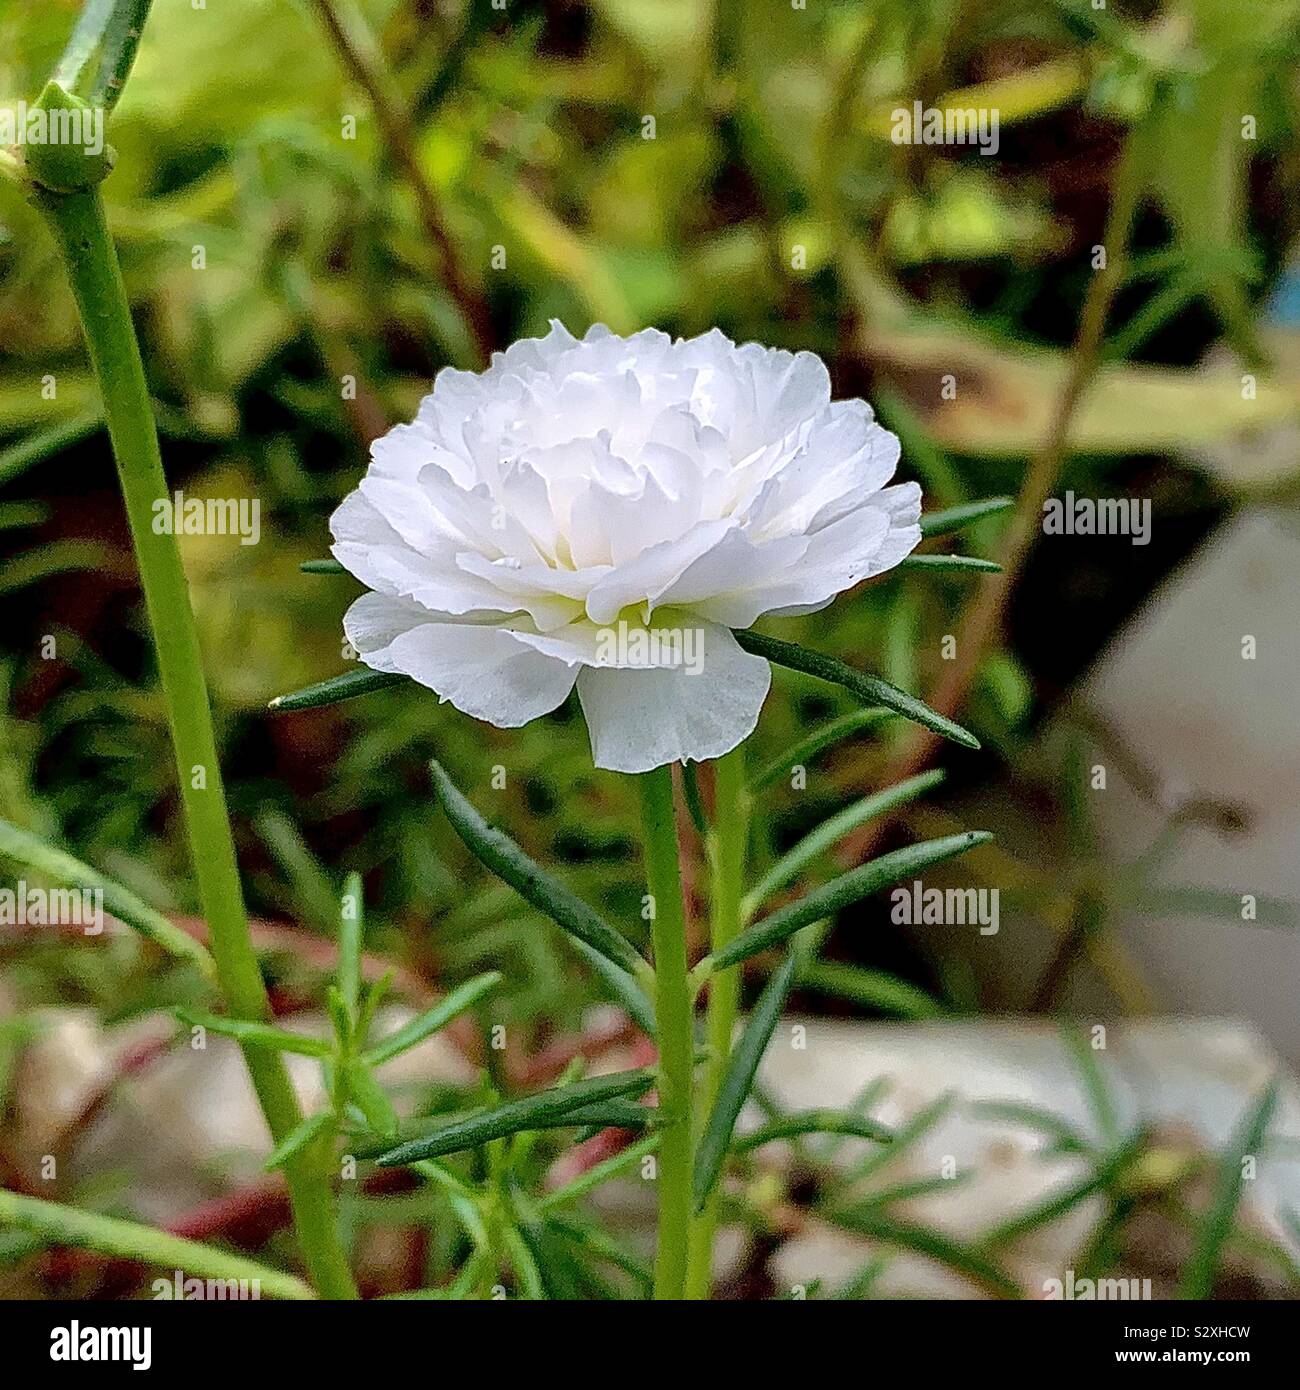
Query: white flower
<point x="632" y="486"/>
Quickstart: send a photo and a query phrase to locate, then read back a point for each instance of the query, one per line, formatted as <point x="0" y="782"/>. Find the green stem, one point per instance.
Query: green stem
<point x="728" y="842"/>
<point x="674" y="1016"/>
<point x="79" y="226"/>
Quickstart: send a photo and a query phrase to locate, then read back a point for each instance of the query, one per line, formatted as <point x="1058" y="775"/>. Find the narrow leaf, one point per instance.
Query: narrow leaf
<point x="599" y="1174"/>
<point x="625" y="989"/>
<point x="736" y="1084"/>
<point x="820" y="739"/>
<point x="128" y="1240"/>
<point x="298" y="1138"/>
<point x="414" y="1032"/>
<point x="814" y="1122"/>
<point x="973" y="1264"/>
<point x="504" y="858"/>
<point x="370" y="1098"/>
<point x="873" y="989"/>
<point x="956" y="518"/>
<point x="351" y="933"/>
<point x="831" y="831"/>
<point x="245" y="1030"/>
<point x="951" y="562"/>
<point x="22" y="847"/>
<point x="345" y="687"/>
<point x="321" y="567"/>
<point x="869" y="689"/>
<point x="532" y="1112"/>
<point x="1246" y="1142"/>
<point x="1056" y="1204"/>
<point x="831" y="897"/>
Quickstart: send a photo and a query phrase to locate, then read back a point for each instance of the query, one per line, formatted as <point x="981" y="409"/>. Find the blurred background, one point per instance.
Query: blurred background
<point x="318" y="205"/>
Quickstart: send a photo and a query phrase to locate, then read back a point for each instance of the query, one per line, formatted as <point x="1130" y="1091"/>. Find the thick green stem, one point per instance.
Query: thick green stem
<point x="79" y="226"/>
<point x="728" y="841"/>
<point x="676" y="1046"/>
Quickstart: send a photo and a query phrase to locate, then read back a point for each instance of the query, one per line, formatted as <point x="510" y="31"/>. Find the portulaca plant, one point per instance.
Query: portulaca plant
<point x="609" y="515"/>
<point x="604" y="515"/>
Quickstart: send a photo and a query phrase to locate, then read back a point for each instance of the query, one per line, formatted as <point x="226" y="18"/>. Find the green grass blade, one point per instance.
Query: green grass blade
<point x="414" y="1032"/>
<point x="741" y="1069"/>
<point x="23" y="848"/>
<point x="871" y="690"/>
<point x="831" y="897"/>
<point x="321" y="567"/>
<point x="497" y="852"/>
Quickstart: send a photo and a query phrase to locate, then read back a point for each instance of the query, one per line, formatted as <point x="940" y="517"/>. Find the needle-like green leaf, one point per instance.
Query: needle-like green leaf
<point x="739" y="1078"/>
<point x="831" y="897"/>
<point x="345" y="687"/>
<point x="870" y="689"/>
<point x="816" y="742"/>
<point x="871" y="989"/>
<point x="1247" y="1142"/>
<point x="830" y="831"/>
<point x="950" y="562"/>
<point x="321" y="567"/>
<point x="23" y="848"/>
<point x="966" y="1260"/>
<point x="546" y="1109"/>
<point x="499" y="853"/>
<point x="626" y="990"/>
<point x="442" y="1013"/>
<point x="298" y="1138"/>
<point x="351" y="932"/>
<point x="813" y="1122"/>
<point x="128" y="1240"/>
<point x="955" y="518"/>
<point x="245" y="1030"/>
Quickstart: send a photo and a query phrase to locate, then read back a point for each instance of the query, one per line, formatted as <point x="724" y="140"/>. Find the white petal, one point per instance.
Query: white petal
<point x="484" y="671"/>
<point x="642" y="719"/>
<point x="375" y="621"/>
<point x="643" y="579"/>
